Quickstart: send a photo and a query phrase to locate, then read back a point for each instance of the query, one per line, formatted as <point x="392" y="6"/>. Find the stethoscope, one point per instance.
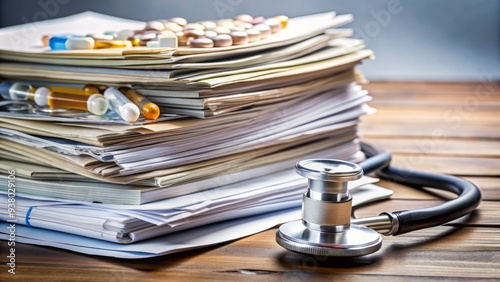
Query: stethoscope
<point x="326" y="228"/>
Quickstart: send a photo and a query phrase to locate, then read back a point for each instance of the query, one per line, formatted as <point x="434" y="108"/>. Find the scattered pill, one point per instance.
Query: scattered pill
<point x="195" y="26"/>
<point x="222" y="40"/>
<point x="123" y="34"/>
<point x="208" y="24"/>
<point x="80" y="43"/>
<point x="179" y="21"/>
<point x="194" y="33"/>
<point x="94" y="88"/>
<point x="167" y="39"/>
<point x="58" y="42"/>
<point x="210" y="33"/>
<point x="274" y="24"/>
<point x="201" y="43"/>
<point x="145" y="37"/>
<point x="69" y="98"/>
<point x="101" y="44"/>
<point x="283" y="20"/>
<point x="226" y="23"/>
<point x="149" y="109"/>
<point x="181" y="38"/>
<point x="86" y="90"/>
<point x="264" y="30"/>
<point x="257" y="20"/>
<point x="135" y="41"/>
<point x="91" y="89"/>
<point x="244" y="18"/>
<point x="127" y="110"/>
<point x="154" y="25"/>
<point x="253" y="35"/>
<point x="239" y="37"/>
<point x="222" y="30"/>
<point x="246" y="25"/>
<point x="45" y="40"/>
<point x="172" y="26"/>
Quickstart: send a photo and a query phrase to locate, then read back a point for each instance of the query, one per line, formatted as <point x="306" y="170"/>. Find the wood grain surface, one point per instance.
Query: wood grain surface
<point x="441" y="127"/>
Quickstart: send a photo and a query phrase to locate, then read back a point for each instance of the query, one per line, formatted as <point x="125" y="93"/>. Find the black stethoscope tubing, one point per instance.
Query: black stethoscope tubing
<point x="467" y="201"/>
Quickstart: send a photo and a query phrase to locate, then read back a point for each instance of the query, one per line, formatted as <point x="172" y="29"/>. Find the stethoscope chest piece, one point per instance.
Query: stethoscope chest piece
<point x="325" y="228"/>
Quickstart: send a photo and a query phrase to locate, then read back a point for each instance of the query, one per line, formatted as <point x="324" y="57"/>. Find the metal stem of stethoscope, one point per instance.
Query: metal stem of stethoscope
<point x="326" y="228"/>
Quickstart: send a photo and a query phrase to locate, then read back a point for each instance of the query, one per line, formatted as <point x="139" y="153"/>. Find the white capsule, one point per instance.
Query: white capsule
<point x="127" y="110"/>
<point x="80" y="43"/>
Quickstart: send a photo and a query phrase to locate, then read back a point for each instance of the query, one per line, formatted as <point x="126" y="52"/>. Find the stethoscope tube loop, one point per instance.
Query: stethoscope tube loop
<point x="467" y="201"/>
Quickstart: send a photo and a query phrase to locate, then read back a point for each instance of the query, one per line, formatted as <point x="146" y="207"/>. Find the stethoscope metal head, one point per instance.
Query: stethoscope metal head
<point x="325" y="228"/>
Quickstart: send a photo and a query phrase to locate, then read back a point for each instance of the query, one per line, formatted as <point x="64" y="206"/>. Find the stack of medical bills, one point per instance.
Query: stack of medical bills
<point x="234" y="120"/>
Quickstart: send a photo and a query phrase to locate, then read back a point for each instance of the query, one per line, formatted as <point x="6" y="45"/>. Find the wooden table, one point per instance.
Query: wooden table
<point x="442" y="127"/>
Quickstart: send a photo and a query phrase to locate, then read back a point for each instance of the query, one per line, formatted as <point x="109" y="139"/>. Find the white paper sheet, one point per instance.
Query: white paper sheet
<point x="180" y="241"/>
<point x="80" y="218"/>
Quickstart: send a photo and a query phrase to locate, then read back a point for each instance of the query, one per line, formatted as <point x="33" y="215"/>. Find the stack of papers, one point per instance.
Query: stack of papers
<point x="234" y="122"/>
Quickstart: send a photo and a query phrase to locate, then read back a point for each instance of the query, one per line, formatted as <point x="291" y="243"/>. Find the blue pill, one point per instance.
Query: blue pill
<point x="58" y="42"/>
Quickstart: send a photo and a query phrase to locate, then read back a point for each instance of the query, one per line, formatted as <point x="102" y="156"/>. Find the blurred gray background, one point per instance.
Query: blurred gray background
<point x="412" y="40"/>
